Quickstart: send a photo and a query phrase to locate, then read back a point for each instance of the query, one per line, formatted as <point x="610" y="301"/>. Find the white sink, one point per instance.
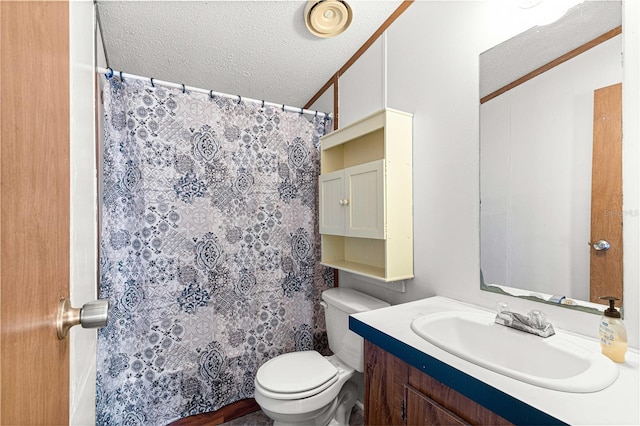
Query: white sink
<point x="554" y="362"/>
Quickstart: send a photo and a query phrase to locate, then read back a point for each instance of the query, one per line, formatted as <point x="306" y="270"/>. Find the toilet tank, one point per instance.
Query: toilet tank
<point x="344" y="343"/>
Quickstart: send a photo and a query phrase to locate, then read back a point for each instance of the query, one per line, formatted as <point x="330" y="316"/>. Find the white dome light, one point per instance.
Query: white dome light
<point x="327" y="18"/>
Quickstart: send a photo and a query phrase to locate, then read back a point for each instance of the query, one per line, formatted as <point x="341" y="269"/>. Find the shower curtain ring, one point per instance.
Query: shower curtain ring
<point x="262" y="104"/>
<point x="316" y="113"/>
<point x="110" y="73"/>
<point x="152" y="85"/>
<point x="282" y="107"/>
<point x="183" y="89"/>
<point x="301" y="111"/>
<point x="121" y="77"/>
<point x="211" y="94"/>
<point x="239" y="99"/>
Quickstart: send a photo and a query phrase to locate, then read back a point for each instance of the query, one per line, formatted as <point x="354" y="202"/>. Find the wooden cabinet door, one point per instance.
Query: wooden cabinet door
<point x="384" y="380"/>
<point x="422" y="410"/>
<point x="365" y="200"/>
<point x="332" y="196"/>
<point x="397" y="393"/>
<point x="452" y="401"/>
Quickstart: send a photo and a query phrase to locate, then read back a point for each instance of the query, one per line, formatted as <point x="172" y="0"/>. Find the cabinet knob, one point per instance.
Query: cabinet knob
<point x="345" y="202"/>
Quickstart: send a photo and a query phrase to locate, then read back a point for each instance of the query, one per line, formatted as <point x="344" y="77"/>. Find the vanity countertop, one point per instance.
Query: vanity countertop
<point x="516" y="401"/>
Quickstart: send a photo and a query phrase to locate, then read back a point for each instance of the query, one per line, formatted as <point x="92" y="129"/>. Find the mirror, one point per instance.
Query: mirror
<point x="544" y="208"/>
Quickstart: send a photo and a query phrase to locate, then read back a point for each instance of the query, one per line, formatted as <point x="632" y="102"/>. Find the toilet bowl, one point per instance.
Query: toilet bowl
<point x="305" y="388"/>
<point x="314" y="398"/>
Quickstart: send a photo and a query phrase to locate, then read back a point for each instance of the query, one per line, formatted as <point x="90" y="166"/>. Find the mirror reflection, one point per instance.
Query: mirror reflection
<point x="551" y="160"/>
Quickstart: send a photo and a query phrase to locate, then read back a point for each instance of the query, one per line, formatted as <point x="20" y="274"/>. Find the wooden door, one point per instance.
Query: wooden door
<point x="34" y="213"/>
<point x="606" y="193"/>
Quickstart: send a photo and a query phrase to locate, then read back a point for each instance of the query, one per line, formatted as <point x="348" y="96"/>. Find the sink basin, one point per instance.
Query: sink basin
<point x="554" y="363"/>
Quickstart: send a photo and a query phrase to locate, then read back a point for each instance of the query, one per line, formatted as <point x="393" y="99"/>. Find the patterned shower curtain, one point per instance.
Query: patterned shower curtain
<point x="209" y="249"/>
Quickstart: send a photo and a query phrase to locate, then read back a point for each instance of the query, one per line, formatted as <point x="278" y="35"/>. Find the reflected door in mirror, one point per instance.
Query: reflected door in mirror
<point x="606" y="194"/>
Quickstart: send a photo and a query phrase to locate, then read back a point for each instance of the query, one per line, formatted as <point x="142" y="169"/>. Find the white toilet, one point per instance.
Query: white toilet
<point x="309" y="389"/>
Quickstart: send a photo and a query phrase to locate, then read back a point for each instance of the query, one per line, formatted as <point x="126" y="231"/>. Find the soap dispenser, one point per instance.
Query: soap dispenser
<point x="613" y="334"/>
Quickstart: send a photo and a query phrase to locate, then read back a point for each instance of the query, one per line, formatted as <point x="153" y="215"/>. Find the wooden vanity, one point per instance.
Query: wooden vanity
<point x="398" y="394"/>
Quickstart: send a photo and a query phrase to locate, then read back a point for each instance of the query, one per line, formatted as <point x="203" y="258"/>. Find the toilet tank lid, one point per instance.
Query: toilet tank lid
<point x="351" y="301"/>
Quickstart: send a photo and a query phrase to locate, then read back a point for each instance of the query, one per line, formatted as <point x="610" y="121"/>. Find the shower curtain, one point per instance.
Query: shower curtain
<point x="209" y="249"/>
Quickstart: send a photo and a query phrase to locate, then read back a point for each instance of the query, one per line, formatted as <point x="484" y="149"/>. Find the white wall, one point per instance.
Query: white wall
<point x="83" y="256"/>
<point x="361" y="87"/>
<point x="324" y="102"/>
<point x="535" y="176"/>
<point x="432" y="55"/>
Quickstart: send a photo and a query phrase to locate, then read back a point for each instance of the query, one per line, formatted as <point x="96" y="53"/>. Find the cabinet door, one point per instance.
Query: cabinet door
<point x="422" y="410"/>
<point x="332" y="200"/>
<point x="384" y="379"/>
<point x="453" y="401"/>
<point x="365" y="200"/>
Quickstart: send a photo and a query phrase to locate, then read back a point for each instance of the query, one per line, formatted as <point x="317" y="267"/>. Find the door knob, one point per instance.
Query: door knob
<point x="601" y="245"/>
<point x="91" y="315"/>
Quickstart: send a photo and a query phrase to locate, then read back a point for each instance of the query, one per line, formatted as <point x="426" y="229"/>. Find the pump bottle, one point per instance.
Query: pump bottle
<point x="613" y="334"/>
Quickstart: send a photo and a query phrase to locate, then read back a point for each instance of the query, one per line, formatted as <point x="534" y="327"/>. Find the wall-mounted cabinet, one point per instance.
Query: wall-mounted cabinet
<point x="366" y="197"/>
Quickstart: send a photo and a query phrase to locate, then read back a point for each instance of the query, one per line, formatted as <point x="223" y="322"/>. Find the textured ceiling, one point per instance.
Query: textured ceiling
<point x="256" y="49"/>
<point x="540" y="45"/>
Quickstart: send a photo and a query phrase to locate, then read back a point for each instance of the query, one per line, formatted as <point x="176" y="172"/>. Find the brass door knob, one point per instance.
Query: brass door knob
<point x="92" y="315"/>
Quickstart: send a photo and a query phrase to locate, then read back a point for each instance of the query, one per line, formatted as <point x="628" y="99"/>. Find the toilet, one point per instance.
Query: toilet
<point x="306" y="388"/>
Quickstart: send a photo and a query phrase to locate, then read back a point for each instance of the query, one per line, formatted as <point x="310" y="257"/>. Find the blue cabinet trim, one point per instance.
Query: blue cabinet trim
<point x="504" y="405"/>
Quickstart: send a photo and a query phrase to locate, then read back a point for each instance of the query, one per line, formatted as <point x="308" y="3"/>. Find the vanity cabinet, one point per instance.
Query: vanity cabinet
<point x="366" y="197"/>
<point x="421" y="410"/>
<point x="398" y="394"/>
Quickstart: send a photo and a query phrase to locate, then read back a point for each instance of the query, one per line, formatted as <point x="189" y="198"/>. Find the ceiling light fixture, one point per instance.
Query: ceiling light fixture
<point x="327" y="18"/>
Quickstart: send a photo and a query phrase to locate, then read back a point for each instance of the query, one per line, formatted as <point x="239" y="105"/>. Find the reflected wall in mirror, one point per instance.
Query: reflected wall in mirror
<point x="551" y="160"/>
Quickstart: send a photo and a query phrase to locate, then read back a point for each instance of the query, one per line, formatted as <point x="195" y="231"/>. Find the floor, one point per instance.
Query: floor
<point x="259" y="419"/>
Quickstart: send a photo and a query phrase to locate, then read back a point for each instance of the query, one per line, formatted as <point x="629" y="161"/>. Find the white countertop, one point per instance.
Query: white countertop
<point x="617" y="404"/>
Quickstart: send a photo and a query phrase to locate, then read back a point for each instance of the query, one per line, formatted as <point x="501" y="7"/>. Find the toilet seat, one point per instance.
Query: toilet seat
<point x="296" y="375"/>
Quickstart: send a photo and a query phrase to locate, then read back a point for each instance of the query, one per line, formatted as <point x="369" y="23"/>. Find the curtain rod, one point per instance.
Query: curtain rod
<point x="108" y="72"/>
